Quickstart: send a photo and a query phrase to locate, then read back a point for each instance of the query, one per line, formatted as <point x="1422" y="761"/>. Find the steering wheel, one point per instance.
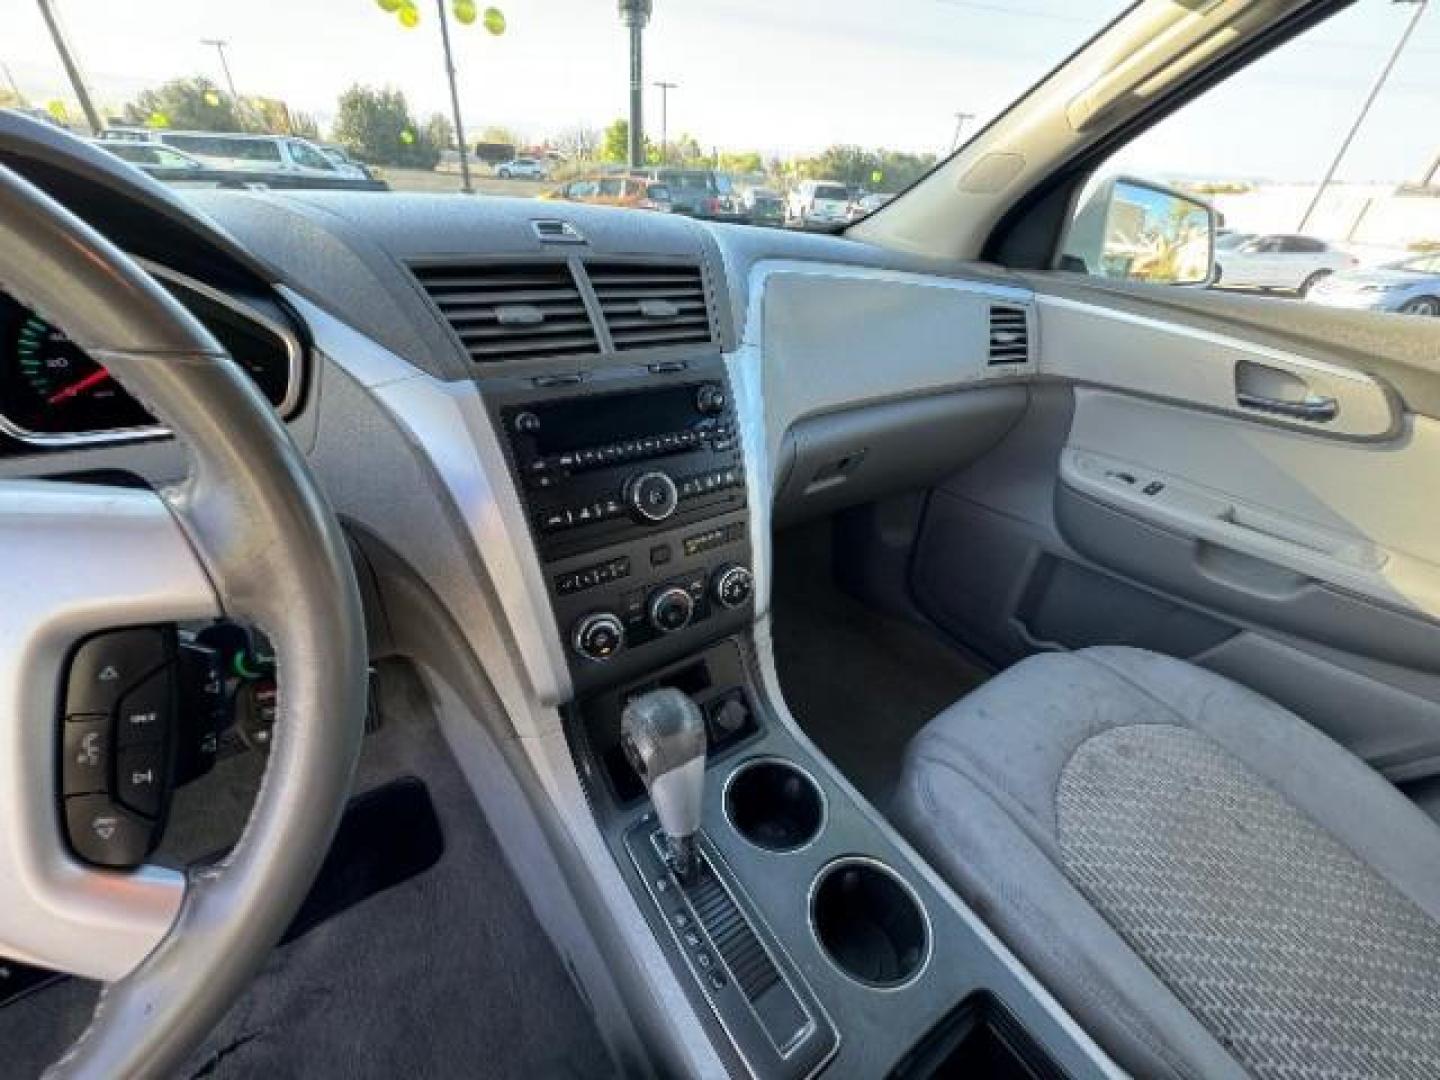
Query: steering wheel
<point x="247" y="535"/>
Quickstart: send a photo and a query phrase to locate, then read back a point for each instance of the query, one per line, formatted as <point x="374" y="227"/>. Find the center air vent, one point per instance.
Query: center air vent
<point x="511" y="311"/>
<point x="1009" y="336"/>
<point x="652" y="305"/>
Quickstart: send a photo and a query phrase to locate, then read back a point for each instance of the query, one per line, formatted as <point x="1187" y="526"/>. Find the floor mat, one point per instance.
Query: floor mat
<point x="860" y="683"/>
<point x="444" y="974"/>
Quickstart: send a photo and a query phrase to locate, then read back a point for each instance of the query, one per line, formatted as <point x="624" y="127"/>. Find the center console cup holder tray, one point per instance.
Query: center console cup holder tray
<point x="774" y="804"/>
<point x="869" y="923"/>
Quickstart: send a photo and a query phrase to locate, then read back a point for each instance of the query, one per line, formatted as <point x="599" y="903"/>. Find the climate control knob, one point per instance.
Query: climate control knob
<point x="671" y="609"/>
<point x="733" y="586"/>
<point x="652" y="496"/>
<point x="598" y="636"/>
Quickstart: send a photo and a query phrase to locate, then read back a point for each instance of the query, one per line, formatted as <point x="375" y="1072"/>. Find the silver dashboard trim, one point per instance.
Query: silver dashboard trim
<point x="110" y="557"/>
<point x="294" y="386"/>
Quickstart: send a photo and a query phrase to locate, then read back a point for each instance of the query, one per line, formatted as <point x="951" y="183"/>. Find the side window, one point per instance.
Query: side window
<point x="611" y="188"/>
<point x="302" y="154"/>
<point x="583" y="189"/>
<point x="1312" y="150"/>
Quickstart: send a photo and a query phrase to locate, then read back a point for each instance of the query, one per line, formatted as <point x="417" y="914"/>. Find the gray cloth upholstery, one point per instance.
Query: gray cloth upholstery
<point x="1211" y="886"/>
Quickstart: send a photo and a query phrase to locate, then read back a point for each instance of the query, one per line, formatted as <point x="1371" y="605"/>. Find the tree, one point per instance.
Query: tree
<point x="194" y="104"/>
<point x="742" y="161"/>
<point x="440" y="132"/>
<point x="377" y="126"/>
<point x="499" y="133"/>
<point x="615" y="144"/>
<point x="875" y="170"/>
<point x="579" y="142"/>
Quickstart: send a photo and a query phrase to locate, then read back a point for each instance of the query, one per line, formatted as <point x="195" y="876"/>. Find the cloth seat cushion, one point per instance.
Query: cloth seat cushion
<point x="1210" y="886"/>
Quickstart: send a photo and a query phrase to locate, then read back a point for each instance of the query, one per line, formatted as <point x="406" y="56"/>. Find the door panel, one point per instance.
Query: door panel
<point x="1091" y="343"/>
<point x="1138" y="502"/>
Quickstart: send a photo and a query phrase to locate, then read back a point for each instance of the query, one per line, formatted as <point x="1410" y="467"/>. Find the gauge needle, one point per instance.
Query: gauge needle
<point x="78" y="387"/>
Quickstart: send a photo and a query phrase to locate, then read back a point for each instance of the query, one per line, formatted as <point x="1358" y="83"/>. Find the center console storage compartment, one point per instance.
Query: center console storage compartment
<point x="774" y="804"/>
<point x="980" y="1038"/>
<point x="869" y="923"/>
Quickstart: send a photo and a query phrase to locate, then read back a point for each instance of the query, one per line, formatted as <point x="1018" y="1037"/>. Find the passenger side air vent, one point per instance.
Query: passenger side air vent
<point x="511" y="311"/>
<point x="652" y="305"/>
<point x="1009" y="336"/>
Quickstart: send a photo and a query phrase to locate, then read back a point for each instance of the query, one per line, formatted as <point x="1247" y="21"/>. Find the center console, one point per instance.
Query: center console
<point x="634" y="487"/>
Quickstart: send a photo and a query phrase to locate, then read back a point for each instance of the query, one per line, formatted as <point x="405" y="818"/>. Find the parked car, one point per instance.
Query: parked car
<point x="818" y="203"/>
<point x="866" y="205"/>
<point x="702" y="193"/>
<point x="765" y="207"/>
<point x="633" y="192"/>
<point x="1410" y="287"/>
<point x="523" y="168"/>
<point x="1281" y="261"/>
<point x="244" y="152"/>
<point x="342" y="160"/>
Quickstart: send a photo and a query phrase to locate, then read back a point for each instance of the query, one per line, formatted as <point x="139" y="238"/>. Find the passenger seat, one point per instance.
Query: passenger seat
<point x="1211" y="886"/>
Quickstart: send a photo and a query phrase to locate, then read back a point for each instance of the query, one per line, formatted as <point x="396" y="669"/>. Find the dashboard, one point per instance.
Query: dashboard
<point x="53" y="394"/>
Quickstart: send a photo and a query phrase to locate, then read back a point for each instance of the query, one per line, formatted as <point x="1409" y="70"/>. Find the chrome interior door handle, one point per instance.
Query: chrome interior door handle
<point x="1316" y="409"/>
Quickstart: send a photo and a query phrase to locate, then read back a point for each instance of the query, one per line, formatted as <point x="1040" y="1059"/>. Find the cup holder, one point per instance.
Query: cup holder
<point x="774" y="805"/>
<point x="869" y="923"/>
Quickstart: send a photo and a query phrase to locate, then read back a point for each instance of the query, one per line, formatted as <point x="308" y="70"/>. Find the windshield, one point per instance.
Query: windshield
<point x="831" y="191"/>
<point x="736" y="93"/>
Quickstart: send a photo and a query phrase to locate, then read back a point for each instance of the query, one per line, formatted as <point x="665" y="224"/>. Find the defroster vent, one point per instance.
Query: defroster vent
<point x="512" y="311"/>
<point x="652" y="305"/>
<point x="1009" y="335"/>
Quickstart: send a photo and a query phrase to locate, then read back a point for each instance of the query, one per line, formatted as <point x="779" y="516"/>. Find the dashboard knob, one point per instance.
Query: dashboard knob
<point x="710" y="399"/>
<point x="652" y="496"/>
<point x="670" y="609"/>
<point x="733" y="586"/>
<point x="598" y="636"/>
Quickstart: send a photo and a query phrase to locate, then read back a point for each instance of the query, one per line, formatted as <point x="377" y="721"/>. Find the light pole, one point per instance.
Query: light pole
<point x="635" y="14"/>
<point x="465" y="185"/>
<point x="1364" y="109"/>
<point x="960" y="118"/>
<point x="218" y="44"/>
<point x="665" y="88"/>
<point x="72" y="66"/>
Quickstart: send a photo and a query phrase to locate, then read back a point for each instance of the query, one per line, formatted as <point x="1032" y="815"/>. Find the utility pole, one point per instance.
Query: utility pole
<point x="72" y="67"/>
<point x="665" y="88"/>
<point x="1420" y="6"/>
<point x="455" y="101"/>
<point x="219" y="44"/>
<point x="960" y="118"/>
<point x="635" y="14"/>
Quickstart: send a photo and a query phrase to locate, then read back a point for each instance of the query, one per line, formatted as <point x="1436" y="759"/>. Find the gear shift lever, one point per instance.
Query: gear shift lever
<point x="663" y="734"/>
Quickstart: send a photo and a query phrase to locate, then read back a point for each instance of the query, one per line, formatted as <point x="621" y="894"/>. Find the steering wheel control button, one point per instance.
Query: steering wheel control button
<point x="85" y="755"/>
<point x="599" y="636"/>
<point x="671" y="609"/>
<point x="733" y="587"/>
<point x="652" y="496"/>
<point x="140" y="779"/>
<point x="145" y="714"/>
<point x="105" y="834"/>
<point x="107" y="665"/>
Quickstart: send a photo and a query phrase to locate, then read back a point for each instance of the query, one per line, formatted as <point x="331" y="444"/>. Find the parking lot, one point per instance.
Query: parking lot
<point x="448" y="182"/>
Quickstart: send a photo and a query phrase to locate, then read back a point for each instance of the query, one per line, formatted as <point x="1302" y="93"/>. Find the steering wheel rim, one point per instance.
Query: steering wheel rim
<point x="260" y="537"/>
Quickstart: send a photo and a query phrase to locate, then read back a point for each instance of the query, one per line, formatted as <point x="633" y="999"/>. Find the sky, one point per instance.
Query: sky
<point x="782" y="76"/>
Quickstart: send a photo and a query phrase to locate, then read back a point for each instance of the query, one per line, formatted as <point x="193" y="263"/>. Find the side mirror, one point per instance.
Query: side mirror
<point x="1135" y="230"/>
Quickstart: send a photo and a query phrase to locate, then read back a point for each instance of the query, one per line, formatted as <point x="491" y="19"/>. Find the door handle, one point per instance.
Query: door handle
<point x="1316" y="409"/>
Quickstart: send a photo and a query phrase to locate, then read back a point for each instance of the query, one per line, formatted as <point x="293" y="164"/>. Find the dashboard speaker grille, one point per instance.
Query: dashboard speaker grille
<point x="511" y="311"/>
<point x="1009" y="335"/>
<point x="652" y="305"/>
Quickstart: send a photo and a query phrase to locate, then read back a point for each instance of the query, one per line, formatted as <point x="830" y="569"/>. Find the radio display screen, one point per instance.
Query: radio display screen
<point x="598" y="419"/>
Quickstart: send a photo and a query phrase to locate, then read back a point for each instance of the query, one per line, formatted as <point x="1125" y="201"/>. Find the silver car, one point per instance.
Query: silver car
<point x="1409" y="287"/>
